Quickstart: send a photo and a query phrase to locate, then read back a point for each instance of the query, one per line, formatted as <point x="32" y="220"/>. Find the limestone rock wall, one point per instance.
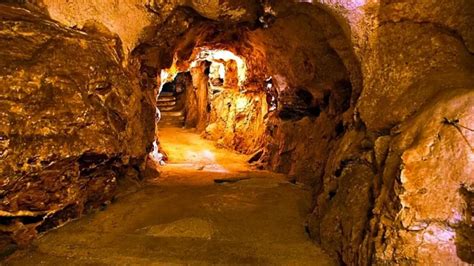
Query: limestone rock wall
<point x="433" y="59"/>
<point x="237" y="120"/>
<point x="197" y="114"/>
<point x="430" y="164"/>
<point x="317" y="81"/>
<point x="417" y="67"/>
<point x="73" y="122"/>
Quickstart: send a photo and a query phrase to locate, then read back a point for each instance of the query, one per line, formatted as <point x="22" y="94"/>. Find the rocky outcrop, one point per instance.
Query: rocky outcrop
<point x="404" y="205"/>
<point x="432" y="220"/>
<point x="433" y="61"/>
<point x="73" y="122"/>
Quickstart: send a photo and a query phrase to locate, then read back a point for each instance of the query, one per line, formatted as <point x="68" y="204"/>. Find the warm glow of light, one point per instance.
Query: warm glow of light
<point x="203" y="160"/>
<point x="168" y="75"/>
<point x="156" y="155"/>
<point x="438" y="234"/>
<point x="224" y="55"/>
<point x="204" y="54"/>
<point x="207" y="154"/>
<point x="165" y="76"/>
<point x="217" y="70"/>
<point x="202" y="155"/>
<point x="241" y="104"/>
<point x="357" y="3"/>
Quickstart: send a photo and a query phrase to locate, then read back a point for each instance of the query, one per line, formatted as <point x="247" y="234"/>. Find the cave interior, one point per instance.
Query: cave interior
<point x="237" y="132"/>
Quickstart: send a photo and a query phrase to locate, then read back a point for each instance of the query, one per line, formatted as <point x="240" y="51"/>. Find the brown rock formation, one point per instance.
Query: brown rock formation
<point x="368" y="102"/>
<point x="72" y="122"/>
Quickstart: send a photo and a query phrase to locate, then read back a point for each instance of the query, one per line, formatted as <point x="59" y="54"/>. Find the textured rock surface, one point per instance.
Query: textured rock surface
<point x="314" y="87"/>
<point x="237" y="120"/>
<point x="417" y="67"/>
<point x="425" y="44"/>
<point x="130" y="19"/>
<point x="340" y="220"/>
<point x="434" y="212"/>
<point x="126" y="18"/>
<point x="432" y="60"/>
<point x="391" y="170"/>
<point x="72" y="122"/>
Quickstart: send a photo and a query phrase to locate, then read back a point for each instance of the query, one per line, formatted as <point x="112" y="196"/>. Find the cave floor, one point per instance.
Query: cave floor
<point x="184" y="217"/>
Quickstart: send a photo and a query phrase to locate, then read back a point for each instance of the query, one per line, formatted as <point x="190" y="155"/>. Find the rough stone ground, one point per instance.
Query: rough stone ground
<point x="185" y="218"/>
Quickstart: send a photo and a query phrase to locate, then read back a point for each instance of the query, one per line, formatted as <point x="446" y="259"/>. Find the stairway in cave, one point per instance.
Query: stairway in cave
<point x="172" y="113"/>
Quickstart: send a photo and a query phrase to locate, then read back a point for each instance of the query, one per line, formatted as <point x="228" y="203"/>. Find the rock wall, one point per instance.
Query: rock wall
<point x="73" y="122"/>
<point x="409" y="203"/>
<point x="232" y="118"/>
<point x="126" y="18"/>
<point x="132" y="19"/>
<point x="197" y="113"/>
<point x="237" y="120"/>
<point x="317" y="79"/>
<point x="432" y="220"/>
<point x="373" y="108"/>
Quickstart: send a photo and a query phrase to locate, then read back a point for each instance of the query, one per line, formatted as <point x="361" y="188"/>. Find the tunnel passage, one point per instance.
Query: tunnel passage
<point x="281" y="92"/>
<point x="218" y="103"/>
<point x="254" y="87"/>
<point x="245" y="90"/>
<point x="368" y="104"/>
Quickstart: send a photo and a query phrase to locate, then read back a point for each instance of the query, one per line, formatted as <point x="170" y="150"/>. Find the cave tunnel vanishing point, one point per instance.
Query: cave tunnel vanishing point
<point x="236" y="132"/>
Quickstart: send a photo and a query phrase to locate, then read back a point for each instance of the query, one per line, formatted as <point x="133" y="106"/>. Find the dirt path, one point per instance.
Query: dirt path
<point x="184" y="217"/>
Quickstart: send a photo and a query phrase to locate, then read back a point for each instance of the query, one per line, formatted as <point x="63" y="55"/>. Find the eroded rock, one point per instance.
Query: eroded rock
<point x="390" y="170"/>
<point x="432" y="205"/>
<point x="72" y="121"/>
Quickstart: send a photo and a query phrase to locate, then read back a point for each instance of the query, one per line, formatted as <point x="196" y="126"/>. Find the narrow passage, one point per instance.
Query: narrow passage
<point x="185" y="217"/>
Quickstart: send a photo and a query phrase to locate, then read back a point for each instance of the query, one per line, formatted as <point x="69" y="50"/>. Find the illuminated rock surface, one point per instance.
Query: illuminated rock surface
<point x="67" y="132"/>
<point x="367" y="103"/>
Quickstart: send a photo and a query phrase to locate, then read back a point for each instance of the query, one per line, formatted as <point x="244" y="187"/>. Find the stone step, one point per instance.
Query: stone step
<point x="172" y="118"/>
<point x="170" y="103"/>
<point x="172" y="113"/>
<point x="166" y="108"/>
<point x="166" y="99"/>
<point x="163" y="94"/>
